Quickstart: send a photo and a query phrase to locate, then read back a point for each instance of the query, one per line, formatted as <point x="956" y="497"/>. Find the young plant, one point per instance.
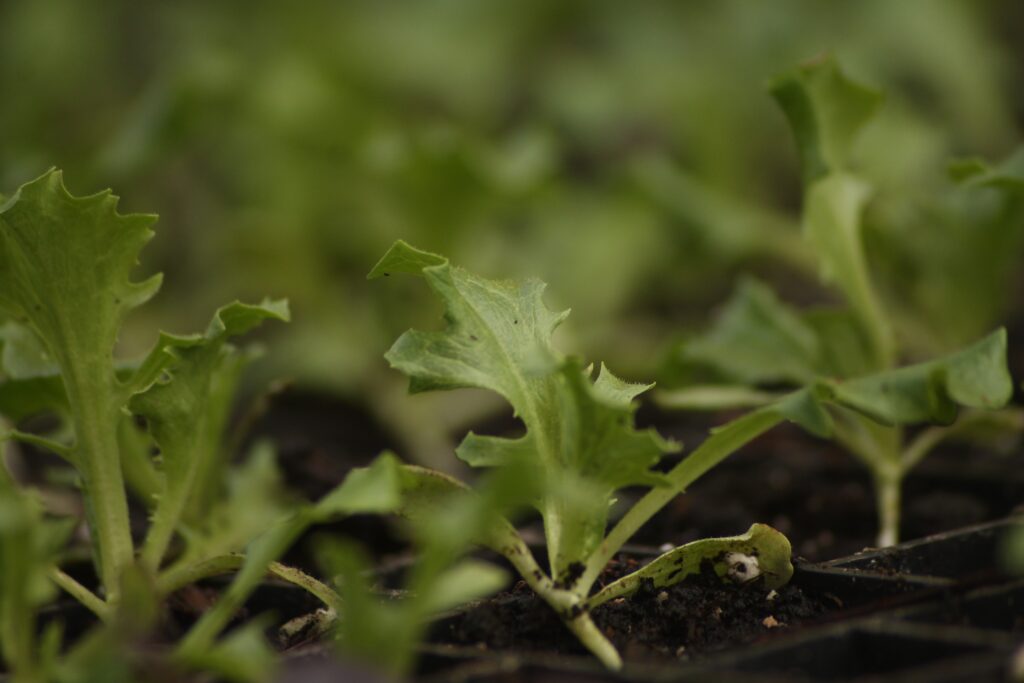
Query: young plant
<point x="850" y="354"/>
<point x="64" y="283"/>
<point x="580" y="446"/>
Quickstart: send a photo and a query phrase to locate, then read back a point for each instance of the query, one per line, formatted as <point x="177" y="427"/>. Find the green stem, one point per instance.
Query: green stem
<point x="165" y="520"/>
<point x="79" y="592"/>
<point x="179" y="577"/>
<point x="95" y="419"/>
<point x="887" y="491"/>
<point x="17" y="613"/>
<point x="715" y="448"/>
<point x="568" y="605"/>
<point x="878" y="447"/>
<point x="42" y="443"/>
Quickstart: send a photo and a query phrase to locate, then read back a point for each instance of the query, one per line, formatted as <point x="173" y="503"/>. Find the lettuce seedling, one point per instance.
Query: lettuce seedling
<point x="580" y="445"/>
<point x="65" y="263"/>
<point x="850" y="355"/>
<point x="64" y="285"/>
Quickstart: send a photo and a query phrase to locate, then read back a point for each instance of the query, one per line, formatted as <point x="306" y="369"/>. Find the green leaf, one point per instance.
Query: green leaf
<point x="374" y="631"/>
<point x="404" y="258"/>
<point x="254" y="501"/>
<point x="976" y="377"/>
<point x="24" y="356"/>
<point x="844" y="348"/>
<point x="243" y="656"/>
<point x="28" y="546"/>
<point x="22" y="398"/>
<point x="762" y="553"/>
<point x="806" y="408"/>
<point x="826" y="111"/>
<point x="427" y="494"/>
<point x="1008" y="174"/>
<point x="446" y="518"/>
<point x="366" y="490"/>
<point x="579" y="434"/>
<point x="758" y="339"/>
<point x="65" y="264"/>
<point x="466" y="581"/>
<point x="64" y="269"/>
<point x="178" y="408"/>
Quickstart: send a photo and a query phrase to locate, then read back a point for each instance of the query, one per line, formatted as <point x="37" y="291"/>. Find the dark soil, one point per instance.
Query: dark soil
<point x="700" y="615"/>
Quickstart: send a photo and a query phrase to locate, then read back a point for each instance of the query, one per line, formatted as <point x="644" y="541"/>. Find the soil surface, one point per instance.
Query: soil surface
<point x="697" y="616"/>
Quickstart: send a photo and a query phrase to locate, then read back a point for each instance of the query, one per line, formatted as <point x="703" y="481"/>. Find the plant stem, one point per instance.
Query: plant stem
<point x="878" y="447"/>
<point x="95" y="418"/>
<point x="568" y="605"/>
<point x="165" y="520"/>
<point x="80" y="593"/>
<point x="715" y="448"/>
<point x="887" y="490"/>
<point x="586" y="631"/>
<point x="42" y="443"/>
<point x="179" y="577"/>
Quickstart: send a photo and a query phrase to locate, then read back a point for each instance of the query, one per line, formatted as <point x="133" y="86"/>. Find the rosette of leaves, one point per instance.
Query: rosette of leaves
<point x="849" y="355"/>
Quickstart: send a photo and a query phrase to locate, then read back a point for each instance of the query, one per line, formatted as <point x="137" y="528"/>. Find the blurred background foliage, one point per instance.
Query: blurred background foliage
<point x="628" y="154"/>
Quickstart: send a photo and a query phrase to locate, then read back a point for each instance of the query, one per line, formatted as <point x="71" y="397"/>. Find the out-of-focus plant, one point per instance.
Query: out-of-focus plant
<point x="383" y="631"/>
<point x="287" y="155"/>
<point x="759" y="341"/>
<point x="28" y="548"/>
<point x="64" y="283"/>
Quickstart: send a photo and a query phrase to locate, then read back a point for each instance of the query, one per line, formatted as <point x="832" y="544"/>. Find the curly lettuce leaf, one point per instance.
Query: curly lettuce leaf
<point x="65" y="265"/>
<point x="579" y="433"/>
<point x="178" y="408"/>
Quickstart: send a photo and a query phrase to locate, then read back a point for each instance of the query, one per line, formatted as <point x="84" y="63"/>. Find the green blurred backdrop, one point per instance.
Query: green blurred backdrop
<point x="627" y="153"/>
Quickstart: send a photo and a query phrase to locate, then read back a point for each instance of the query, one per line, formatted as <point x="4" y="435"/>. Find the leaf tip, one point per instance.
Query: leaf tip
<point x="402" y="257"/>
